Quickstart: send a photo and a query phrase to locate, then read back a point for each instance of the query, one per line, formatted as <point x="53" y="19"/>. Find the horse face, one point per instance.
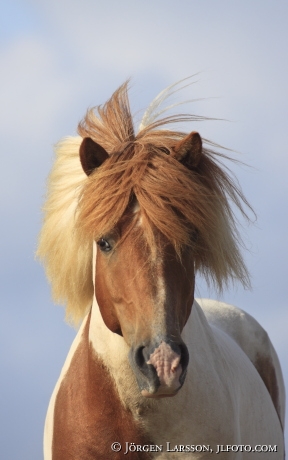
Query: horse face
<point x="146" y="297"/>
<point x="147" y="300"/>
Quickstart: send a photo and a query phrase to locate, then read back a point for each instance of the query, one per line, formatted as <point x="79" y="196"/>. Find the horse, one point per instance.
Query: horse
<point x="130" y="219"/>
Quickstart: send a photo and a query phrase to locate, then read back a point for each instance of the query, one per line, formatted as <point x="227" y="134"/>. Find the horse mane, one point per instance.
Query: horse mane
<point x="171" y="197"/>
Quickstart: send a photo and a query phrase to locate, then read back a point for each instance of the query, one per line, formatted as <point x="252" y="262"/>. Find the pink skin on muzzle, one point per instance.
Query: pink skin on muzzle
<point x="168" y="368"/>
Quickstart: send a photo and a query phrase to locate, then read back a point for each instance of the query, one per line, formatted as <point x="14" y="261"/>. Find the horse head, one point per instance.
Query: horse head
<point x="144" y="285"/>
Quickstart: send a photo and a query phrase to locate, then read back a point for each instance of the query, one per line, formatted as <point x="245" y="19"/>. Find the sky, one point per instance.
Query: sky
<point x="60" y="57"/>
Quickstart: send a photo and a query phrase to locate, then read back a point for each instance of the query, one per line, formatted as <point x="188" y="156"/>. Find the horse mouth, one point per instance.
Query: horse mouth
<point x="160" y="393"/>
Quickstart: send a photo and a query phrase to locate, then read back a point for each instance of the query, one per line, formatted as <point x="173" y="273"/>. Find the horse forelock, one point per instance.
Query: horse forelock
<point x="171" y="198"/>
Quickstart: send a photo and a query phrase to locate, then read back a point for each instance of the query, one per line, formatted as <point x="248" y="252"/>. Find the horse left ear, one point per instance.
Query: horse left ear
<point x="92" y="155"/>
<point x="188" y="151"/>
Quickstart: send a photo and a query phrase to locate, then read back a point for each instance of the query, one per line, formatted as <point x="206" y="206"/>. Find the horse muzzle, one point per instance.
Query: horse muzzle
<point x="160" y="369"/>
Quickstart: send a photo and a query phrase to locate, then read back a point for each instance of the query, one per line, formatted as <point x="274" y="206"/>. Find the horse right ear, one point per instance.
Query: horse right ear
<point x="92" y="155"/>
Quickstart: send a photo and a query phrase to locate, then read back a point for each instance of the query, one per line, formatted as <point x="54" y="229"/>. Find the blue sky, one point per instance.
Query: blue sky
<point x="60" y="57"/>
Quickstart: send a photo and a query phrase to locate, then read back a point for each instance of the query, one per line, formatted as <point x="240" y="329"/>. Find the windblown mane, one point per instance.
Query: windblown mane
<point x="171" y="198"/>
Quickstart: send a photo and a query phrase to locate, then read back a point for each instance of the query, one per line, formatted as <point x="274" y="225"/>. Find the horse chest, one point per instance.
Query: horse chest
<point x="88" y="414"/>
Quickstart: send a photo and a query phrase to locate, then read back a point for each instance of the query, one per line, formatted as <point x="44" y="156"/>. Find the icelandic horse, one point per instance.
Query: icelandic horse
<point x="153" y="373"/>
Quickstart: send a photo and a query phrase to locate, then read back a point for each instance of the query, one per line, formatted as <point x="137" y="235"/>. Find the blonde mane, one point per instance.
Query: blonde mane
<point x="171" y="198"/>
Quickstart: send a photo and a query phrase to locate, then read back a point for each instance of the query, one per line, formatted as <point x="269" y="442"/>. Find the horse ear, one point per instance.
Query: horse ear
<point x="188" y="151"/>
<point x="92" y="155"/>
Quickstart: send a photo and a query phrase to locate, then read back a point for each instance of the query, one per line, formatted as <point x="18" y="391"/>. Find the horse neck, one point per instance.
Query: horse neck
<point x="197" y="330"/>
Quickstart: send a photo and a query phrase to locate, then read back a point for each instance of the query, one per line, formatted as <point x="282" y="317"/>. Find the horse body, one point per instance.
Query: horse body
<point x="151" y="369"/>
<point x="224" y="397"/>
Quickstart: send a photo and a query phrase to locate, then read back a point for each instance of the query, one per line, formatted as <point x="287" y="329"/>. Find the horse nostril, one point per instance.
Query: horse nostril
<point x="139" y="357"/>
<point x="184" y="356"/>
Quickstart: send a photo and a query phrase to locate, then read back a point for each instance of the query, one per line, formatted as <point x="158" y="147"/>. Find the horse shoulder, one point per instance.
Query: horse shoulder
<point x="256" y="344"/>
<point x="49" y="421"/>
<point x="88" y="415"/>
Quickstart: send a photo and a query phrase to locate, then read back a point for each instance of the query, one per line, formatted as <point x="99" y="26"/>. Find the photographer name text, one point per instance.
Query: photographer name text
<point x="220" y="448"/>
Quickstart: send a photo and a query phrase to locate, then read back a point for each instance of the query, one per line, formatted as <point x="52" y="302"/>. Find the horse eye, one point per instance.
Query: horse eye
<point x="104" y="245"/>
